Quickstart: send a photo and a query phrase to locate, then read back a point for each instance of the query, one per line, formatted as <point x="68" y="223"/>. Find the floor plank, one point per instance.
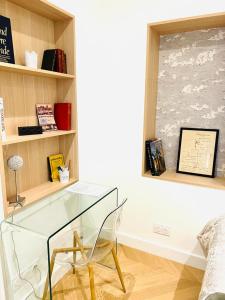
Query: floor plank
<point x="147" y="277"/>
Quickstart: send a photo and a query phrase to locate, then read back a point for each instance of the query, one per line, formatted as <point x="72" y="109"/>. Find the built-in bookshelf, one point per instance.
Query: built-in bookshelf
<point x="155" y="30"/>
<point x="36" y="25"/>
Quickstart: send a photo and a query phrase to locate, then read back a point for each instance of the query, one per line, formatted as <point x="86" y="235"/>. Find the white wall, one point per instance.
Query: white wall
<point x="111" y="51"/>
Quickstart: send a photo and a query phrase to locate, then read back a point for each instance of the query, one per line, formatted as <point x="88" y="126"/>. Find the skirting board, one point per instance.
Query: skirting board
<point x="174" y="254"/>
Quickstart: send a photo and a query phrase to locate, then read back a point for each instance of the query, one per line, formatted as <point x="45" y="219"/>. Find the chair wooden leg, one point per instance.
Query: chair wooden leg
<point x="92" y="284"/>
<point x="47" y="279"/>
<point x="74" y="253"/>
<point x="118" y="269"/>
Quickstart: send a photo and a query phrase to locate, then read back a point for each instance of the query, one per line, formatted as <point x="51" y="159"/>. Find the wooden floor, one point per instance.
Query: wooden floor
<point x="146" y="277"/>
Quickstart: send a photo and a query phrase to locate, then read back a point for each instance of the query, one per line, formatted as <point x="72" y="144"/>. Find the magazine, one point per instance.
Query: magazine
<point x="46" y="117"/>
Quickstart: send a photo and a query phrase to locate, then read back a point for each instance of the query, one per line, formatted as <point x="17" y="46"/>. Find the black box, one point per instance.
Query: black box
<point x="30" y="130"/>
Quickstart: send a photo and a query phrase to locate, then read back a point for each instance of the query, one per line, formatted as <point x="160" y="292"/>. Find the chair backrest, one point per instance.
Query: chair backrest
<point x="107" y="234"/>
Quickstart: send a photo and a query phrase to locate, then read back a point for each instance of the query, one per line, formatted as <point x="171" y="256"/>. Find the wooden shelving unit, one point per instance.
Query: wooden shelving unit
<point x="36" y="25"/>
<point x="151" y="90"/>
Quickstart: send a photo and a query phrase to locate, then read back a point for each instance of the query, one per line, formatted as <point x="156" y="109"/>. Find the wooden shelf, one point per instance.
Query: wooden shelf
<point x="45" y="9"/>
<point x="42" y="191"/>
<point x="169" y="175"/>
<point x="154" y="31"/>
<point x="33" y="72"/>
<point x="22" y="88"/>
<point x="15" y="139"/>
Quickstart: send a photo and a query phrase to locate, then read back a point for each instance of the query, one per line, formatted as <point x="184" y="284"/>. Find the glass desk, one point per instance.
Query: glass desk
<point x="29" y="236"/>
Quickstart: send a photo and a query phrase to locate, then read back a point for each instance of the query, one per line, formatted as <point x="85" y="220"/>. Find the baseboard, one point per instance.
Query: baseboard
<point x="174" y="254"/>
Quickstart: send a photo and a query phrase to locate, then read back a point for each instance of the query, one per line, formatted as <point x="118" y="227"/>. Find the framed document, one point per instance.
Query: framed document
<point x="197" y="151"/>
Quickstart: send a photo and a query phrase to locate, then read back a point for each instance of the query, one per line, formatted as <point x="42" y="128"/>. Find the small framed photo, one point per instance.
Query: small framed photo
<point x="197" y="151"/>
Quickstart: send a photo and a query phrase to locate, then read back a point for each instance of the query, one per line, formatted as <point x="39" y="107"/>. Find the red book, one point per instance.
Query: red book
<point x="58" y="63"/>
<point x="62" y="112"/>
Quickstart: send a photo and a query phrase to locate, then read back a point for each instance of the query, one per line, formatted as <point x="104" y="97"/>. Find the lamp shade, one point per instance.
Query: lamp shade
<point x="15" y="162"/>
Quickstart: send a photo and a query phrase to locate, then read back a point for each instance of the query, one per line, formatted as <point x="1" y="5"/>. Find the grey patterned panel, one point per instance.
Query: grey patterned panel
<point x="191" y="88"/>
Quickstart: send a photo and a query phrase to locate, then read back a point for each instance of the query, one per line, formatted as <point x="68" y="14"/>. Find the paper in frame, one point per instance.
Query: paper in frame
<point x="197" y="151"/>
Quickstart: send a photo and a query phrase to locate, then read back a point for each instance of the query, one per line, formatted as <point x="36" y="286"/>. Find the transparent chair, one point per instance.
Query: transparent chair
<point x="84" y="255"/>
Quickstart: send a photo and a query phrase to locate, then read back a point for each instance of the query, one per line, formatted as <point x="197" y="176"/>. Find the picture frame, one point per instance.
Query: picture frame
<point x="197" y="151"/>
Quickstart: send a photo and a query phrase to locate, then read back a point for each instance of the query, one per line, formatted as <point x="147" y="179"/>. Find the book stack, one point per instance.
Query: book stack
<point x="155" y="157"/>
<point x="54" y="60"/>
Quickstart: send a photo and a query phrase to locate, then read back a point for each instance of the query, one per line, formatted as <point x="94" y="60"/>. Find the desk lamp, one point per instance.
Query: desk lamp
<point x="14" y="163"/>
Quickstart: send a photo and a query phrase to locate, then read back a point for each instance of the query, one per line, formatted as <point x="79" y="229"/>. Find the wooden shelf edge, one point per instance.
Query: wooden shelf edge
<point x="45" y="9"/>
<point x="41" y="191"/>
<point x="33" y="72"/>
<point x="189" y="23"/>
<point x="16" y="139"/>
<point x="172" y="176"/>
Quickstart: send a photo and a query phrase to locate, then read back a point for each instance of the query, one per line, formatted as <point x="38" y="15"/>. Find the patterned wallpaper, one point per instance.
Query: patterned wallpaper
<point x="191" y="88"/>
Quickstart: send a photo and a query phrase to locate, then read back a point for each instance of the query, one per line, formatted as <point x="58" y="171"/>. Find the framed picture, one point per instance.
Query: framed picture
<point x="197" y="151"/>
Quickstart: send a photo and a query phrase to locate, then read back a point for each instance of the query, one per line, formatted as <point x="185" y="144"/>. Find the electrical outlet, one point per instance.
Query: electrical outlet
<point x="161" y="229"/>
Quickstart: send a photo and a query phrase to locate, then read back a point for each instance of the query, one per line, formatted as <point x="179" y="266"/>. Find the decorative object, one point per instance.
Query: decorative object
<point x="15" y="162"/>
<point x="197" y="151"/>
<point x="6" y="43"/>
<point x="155" y="157"/>
<point x="46" y="117"/>
<point x="31" y="59"/>
<point x="64" y="175"/>
<point x="2" y="121"/>
<point x="30" y="130"/>
<point x="62" y="112"/>
<point x="54" y="162"/>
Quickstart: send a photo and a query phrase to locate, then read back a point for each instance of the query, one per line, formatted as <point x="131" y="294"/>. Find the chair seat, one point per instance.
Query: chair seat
<point x="87" y="237"/>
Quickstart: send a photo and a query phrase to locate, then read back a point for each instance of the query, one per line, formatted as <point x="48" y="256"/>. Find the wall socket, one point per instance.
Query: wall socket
<point x="162" y="229"/>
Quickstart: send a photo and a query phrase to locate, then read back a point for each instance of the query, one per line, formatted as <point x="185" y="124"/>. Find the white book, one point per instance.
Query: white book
<point x="2" y="121"/>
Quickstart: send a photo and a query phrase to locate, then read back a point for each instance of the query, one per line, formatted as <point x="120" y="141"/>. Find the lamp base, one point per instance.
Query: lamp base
<point x="18" y="201"/>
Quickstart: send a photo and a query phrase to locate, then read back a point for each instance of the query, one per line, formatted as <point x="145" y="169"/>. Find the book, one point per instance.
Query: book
<point x="62" y="112"/>
<point x="2" y="121"/>
<point x="64" y="64"/>
<point x="49" y="60"/>
<point x="59" y="61"/>
<point x="149" y="157"/>
<point x="6" y="42"/>
<point x="155" y="157"/>
<point x="55" y="161"/>
<point x="46" y="117"/>
<point x="54" y="60"/>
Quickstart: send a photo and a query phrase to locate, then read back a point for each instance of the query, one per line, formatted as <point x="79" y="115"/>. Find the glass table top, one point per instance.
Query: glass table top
<point x="52" y="213"/>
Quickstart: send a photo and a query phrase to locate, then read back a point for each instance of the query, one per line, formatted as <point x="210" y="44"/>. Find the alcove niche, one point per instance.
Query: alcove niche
<point x="185" y="87"/>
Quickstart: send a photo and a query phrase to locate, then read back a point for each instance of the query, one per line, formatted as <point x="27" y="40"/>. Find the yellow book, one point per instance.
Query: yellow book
<point x="55" y="161"/>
